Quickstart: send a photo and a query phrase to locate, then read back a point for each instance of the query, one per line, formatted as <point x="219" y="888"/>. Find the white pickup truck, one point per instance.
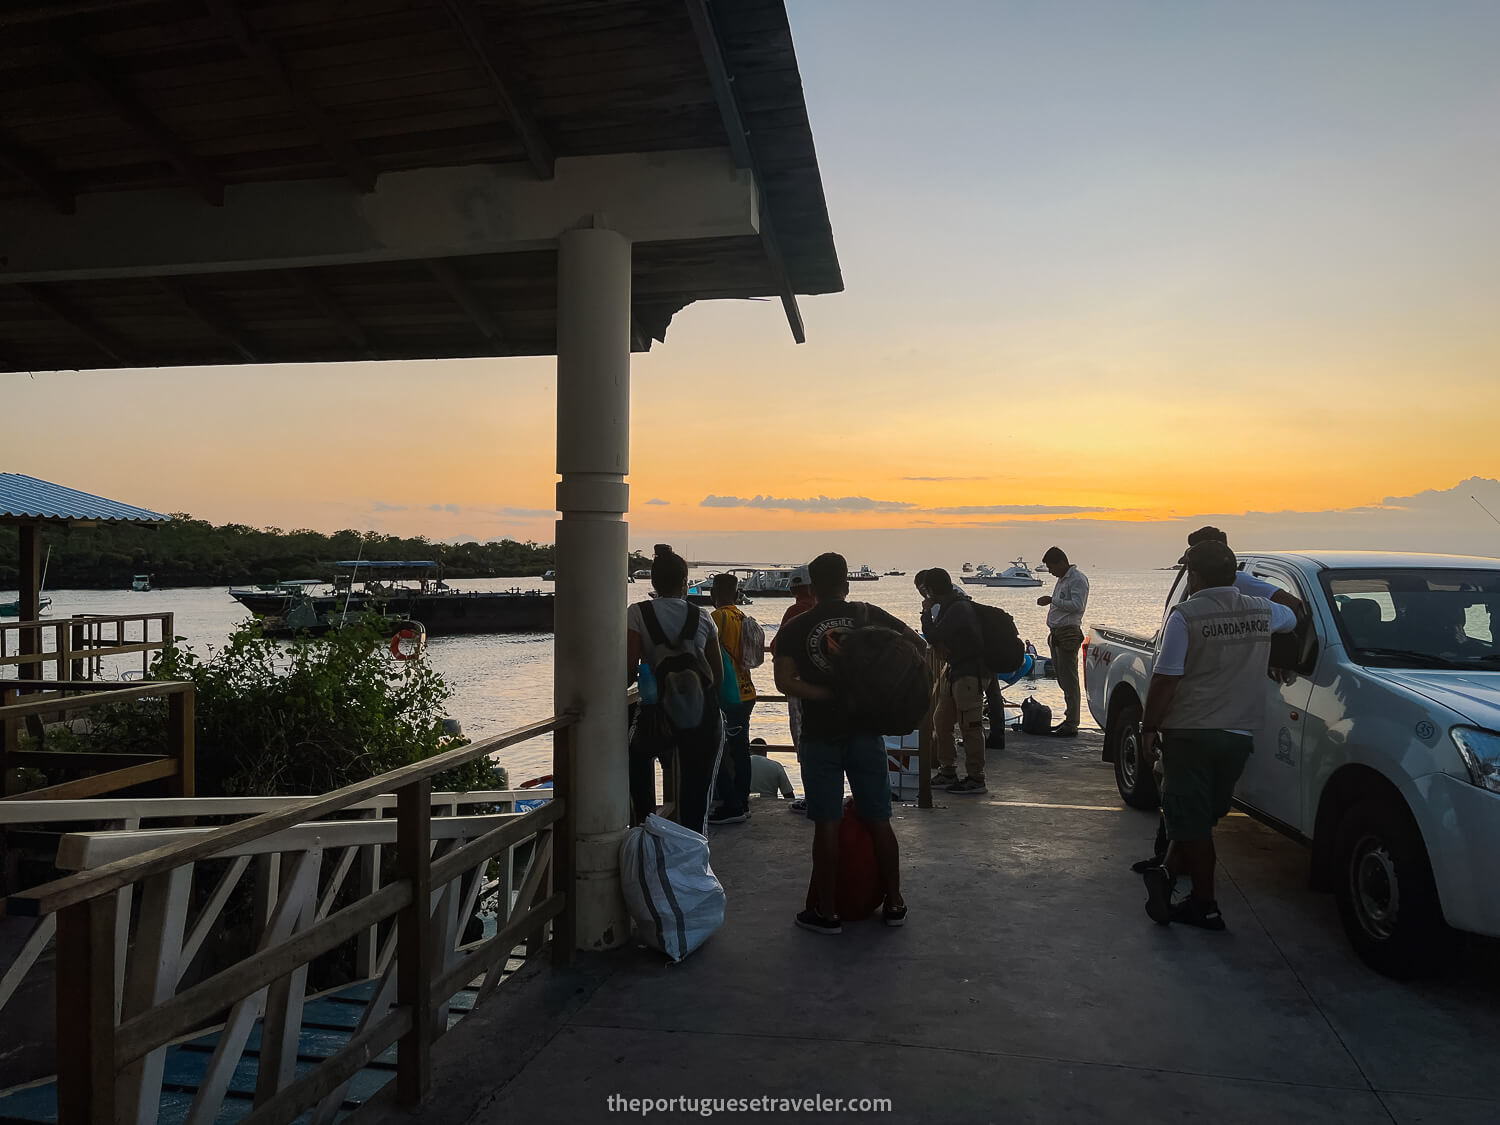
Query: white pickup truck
<point x="1381" y="741"/>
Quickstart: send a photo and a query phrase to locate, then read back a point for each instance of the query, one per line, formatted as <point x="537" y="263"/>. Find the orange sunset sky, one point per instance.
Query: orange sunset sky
<point x="1110" y="266"/>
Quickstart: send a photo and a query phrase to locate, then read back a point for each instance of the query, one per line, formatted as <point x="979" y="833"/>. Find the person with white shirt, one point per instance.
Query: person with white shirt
<point x="1244" y="582"/>
<point x="1206" y="699"/>
<point x="1065" y="608"/>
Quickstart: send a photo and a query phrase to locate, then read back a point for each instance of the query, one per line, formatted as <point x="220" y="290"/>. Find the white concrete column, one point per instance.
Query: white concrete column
<point x="593" y="456"/>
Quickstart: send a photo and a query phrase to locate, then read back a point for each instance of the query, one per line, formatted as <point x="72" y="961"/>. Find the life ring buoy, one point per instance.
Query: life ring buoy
<point x="410" y="634"/>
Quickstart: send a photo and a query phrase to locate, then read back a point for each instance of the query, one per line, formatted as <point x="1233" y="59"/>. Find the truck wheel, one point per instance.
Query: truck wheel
<point x="1133" y="776"/>
<point x="1387" y="898"/>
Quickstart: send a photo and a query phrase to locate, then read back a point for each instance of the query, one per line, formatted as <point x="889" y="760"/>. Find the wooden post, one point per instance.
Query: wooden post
<point x="564" y="929"/>
<point x="367" y="945"/>
<point x="414" y="939"/>
<point x="29" y="562"/>
<point x="181" y="707"/>
<point x="78" y="644"/>
<point x="86" y="1012"/>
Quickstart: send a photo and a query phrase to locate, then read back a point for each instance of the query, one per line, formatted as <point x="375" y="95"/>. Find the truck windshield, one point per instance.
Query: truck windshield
<point x="1418" y="618"/>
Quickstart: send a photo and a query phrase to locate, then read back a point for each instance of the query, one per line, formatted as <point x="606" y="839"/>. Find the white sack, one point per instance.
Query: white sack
<point x="670" y="890"/>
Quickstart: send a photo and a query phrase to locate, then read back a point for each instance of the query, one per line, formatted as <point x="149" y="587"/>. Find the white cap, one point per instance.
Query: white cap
<point x="800" y="577"/>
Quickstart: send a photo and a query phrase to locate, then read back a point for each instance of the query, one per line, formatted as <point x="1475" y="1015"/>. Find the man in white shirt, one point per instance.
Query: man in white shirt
<point x="1065" y="608"/>
<point x="1244" y="582"/>
<point x="1207" y="697"/>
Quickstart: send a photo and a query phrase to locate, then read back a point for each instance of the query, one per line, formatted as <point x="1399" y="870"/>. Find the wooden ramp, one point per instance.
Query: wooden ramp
<point x="328" y="1021"/>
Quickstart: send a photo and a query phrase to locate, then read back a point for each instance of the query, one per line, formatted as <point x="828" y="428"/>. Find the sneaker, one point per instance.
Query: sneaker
<point x="728" y="816"/>
<point x="944" y="776"/>
<point x="799" y="805"/>
<point x="969" y="785"/>
<point x="1159" y="906"/>
<point x="895" y="917"/>
<point x="1063" y="730"/>
<point x="1140" y="866"/>
<point x="1196" y="912"/>
<point x="814" y="922"/>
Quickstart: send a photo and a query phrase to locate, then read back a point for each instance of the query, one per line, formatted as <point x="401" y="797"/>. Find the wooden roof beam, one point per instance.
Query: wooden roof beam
<point x="739" y="147"/>
<point x="106" y="85"/>
<point x="85" y="325"/>
<point x="272" y="68"/>
<point x="214" y="317"/>
<point x="43" y="179"/>
<point x="459" y="290"/>
<point x="317" y="293"/>
<point x="469" y="25"/>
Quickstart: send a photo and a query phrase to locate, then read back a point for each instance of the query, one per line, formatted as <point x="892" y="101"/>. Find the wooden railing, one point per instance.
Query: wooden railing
<point x="21" y="700"/>
<point x="81" y="644"/>
<point x="110" y="1058"/>
<point x="923" y="753"/>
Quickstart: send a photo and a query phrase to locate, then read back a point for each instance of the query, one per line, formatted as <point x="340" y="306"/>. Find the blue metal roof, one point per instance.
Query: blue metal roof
<point x="27" y="498"/>
<point x="383" y="565"/>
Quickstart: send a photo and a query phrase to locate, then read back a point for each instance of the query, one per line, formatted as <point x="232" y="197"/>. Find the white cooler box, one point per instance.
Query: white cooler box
<point x="904" y="761"/>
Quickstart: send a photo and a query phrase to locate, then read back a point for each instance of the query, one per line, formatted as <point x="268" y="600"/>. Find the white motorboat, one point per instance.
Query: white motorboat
<point x="768" y="582"/>
<point x="979" y="577"/>
<point x="864" y="574"/>
<point x="1016" y="574"/>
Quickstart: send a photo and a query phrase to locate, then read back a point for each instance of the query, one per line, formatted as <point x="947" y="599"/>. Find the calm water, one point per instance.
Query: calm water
<point x="502" y="681"/>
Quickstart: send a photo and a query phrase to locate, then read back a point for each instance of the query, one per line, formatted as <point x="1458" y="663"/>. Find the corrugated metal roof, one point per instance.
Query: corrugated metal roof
<point x="23" y="497"/>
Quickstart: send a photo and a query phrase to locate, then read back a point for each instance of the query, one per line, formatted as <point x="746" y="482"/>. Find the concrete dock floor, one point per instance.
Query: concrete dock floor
<point x="1028" y="985"/>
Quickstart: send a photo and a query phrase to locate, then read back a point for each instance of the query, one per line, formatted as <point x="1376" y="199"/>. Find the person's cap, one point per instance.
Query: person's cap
<point x="800" y="577"/>
<point x="1206" y="534"/>
<point x="1210" y="557"/>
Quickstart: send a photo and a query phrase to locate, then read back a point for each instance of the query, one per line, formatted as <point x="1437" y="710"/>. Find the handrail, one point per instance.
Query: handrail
<point x="85" y="885"/>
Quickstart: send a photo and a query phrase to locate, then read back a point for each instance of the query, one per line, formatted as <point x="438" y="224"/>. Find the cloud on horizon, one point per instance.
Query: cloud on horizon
<point x="942" y="478"/>
<point x="443" y="508"/>
<point x="1018" y="510"/>
<point x="658" y="502"/>
<point x="810" y="504"/>
<point x="382" y="506"/>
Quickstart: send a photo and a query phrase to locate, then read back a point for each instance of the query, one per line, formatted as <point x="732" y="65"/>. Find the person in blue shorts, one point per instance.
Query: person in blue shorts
<point x="833" y="746"/>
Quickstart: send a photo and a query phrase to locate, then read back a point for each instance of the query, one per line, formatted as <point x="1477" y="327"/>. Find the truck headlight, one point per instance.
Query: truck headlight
<point x="1480" y="750"/>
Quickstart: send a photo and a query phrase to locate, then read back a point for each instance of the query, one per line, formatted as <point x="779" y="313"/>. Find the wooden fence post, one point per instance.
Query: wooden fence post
<point x="86" y="1012"/>
<point x="181" y="718"/>
<point x="414" y="939"/>
<point x="565" y="928"/>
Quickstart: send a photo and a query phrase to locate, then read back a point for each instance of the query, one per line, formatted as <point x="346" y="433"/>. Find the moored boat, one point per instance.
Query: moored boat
<point x="13" y="609"/>
<point x="1016" y="574"/>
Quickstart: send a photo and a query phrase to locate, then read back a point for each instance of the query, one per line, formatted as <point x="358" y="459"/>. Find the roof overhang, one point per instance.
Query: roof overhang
<point x="218" y="182"/>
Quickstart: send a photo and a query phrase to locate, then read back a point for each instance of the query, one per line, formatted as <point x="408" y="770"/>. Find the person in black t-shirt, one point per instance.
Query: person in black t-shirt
<point x="832" y="745"/>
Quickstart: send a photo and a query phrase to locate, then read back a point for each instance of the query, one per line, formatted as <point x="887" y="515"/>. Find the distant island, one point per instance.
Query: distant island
<point x="191" y="552"/>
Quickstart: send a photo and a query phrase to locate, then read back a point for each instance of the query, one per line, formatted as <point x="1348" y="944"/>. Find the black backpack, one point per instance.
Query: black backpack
<point x="683" y="682"/>
<point x="883" y="677"/>
<point x="1036" y="717"/>
<point x="1003" y="650"/>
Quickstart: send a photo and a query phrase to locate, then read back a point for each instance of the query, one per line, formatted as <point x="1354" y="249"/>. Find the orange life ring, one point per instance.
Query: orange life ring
<point x="407" y="633"/>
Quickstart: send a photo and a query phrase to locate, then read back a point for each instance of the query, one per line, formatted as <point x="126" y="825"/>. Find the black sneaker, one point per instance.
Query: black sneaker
<point x="1159" y="906"/>
<point x="895" y="917"/>
<point x="1196" y="912"/>
<point x="944" y="776"/>
<point x="728" y="816"/>
<point x="968" y="786"/>
<point x="1140" y="866"/>
<point x="814" y="922"/>
<point x="1063" y="730"/>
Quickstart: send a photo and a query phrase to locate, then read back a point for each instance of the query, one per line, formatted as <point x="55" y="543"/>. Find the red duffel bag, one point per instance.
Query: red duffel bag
<point x="860" y="891"/>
